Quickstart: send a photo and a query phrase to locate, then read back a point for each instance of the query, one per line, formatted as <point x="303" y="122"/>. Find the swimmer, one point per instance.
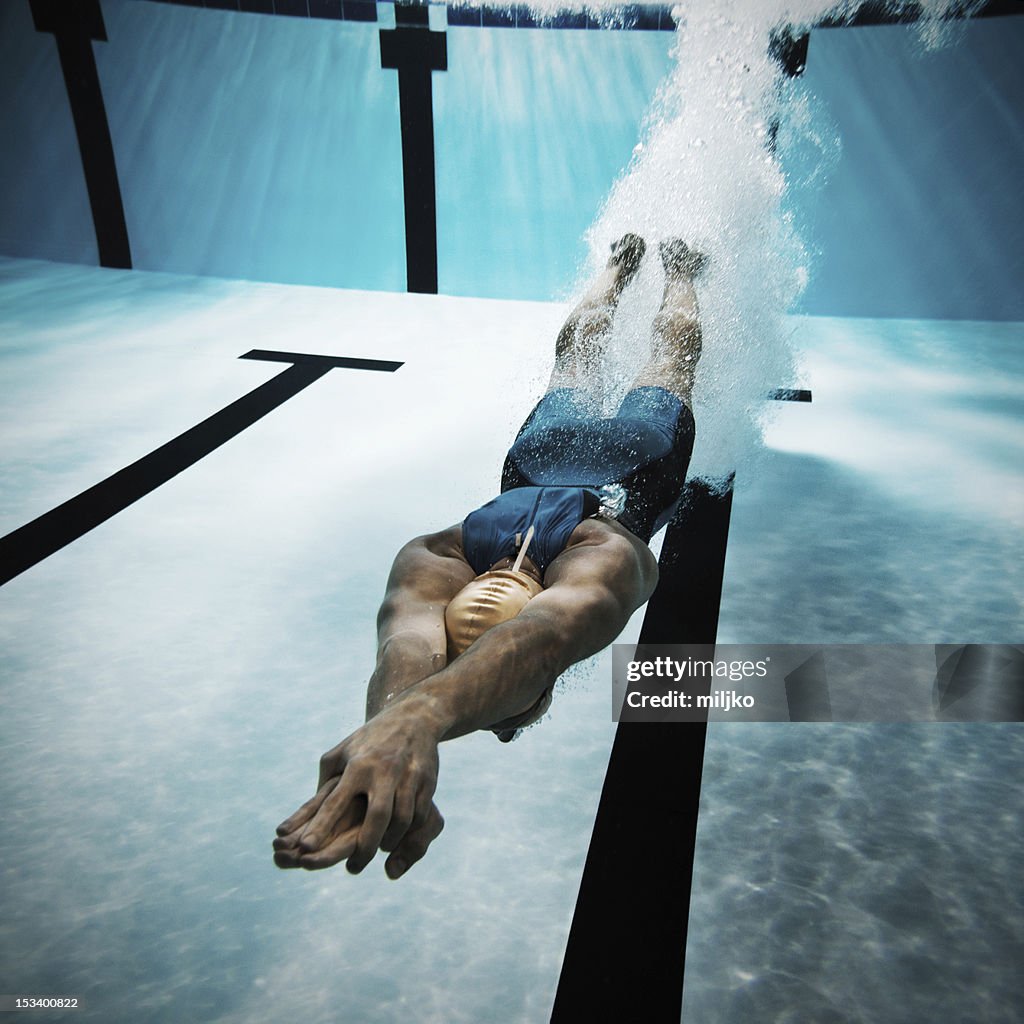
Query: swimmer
<point x="478" y="621"/>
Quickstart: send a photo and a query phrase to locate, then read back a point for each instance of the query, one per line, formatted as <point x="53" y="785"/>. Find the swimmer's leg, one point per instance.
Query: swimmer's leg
<point x="580" y="343"/>
<point x="675" y="334"/>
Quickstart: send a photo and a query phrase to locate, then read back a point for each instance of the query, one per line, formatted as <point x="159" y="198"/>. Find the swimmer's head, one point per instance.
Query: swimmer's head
<point x="494" y="597"/>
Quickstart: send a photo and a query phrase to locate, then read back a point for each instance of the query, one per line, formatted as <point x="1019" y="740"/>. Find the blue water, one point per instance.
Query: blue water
<point x="170" y="679"/>
<point x="919" y="216"/>
<point x="870" y="879"/>
<point x="269" y="149"/>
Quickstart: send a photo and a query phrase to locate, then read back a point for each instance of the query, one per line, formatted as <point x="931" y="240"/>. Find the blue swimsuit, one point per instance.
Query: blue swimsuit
<point x="489" y="534"/>
<point x="556" y="473"/>
<point x="562" y="458"/>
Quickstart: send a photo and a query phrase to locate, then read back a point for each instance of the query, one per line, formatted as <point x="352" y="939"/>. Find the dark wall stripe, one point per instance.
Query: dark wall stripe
<point x="790" y="50"/>
<point x="75" y="24"/>
<point x="625" y="955"/>
<point x="57" y="528"/>
<point x="416" y="53"/>
<point x="628" y="17"/>
<point x="884" y="12"/>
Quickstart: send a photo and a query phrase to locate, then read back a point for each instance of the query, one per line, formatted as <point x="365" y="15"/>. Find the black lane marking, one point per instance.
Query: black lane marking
<point x="416" y="53"/>
<point x="75" y="24"/>
<point x="625" y="955"/>
<point x="979" y="682"/>
<point x="327" y="362"/>
<point x="807" y="693"/>
<point x="789" y="395"/>
<point x="30" y="544"/>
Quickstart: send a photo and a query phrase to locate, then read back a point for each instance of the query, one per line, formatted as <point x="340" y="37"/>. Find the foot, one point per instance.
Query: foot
<point x="627" y="253"/>
<point x="678" y="258"/>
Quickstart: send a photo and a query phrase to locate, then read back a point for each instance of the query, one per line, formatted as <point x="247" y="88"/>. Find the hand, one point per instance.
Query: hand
<point x="376" y="790"/>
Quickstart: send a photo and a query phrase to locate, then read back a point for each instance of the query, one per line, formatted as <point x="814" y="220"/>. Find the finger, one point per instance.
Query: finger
<point x="287" y="858"/>
<point x="338" y="849"/>
<point x="425" y="810"/>
<point x="378" y="817"/>
<point x="344" y="807"/>
<point x="402" y="816"/>
<point x="306" y="811"/>
<point x="288" y="842"/>
<point x="414" y="845"/>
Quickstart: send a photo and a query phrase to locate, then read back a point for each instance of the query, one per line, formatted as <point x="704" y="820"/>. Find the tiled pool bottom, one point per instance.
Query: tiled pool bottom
<point x="171" y="678"/>
<point x="858" y="873"/>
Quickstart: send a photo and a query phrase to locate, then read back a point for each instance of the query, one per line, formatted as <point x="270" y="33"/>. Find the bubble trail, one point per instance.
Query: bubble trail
<point x="707" y="169"/>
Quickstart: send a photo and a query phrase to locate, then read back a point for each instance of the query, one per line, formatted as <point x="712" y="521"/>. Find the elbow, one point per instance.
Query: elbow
<point x="649" y="576"/>
<point x="407" y="642"/>
<point x="596" y="624"/>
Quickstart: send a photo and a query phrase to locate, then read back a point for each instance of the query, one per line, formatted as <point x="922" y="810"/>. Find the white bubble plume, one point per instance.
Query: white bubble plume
<point x="706" y="171"/>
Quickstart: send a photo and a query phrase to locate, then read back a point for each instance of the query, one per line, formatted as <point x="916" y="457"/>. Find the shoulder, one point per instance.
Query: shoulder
<point x="442" y="544"/>
<point x="433" y="563"/>
<point x="614" y="543"/>
<point x="592" y="588"/>
<point x="606" y="558"/>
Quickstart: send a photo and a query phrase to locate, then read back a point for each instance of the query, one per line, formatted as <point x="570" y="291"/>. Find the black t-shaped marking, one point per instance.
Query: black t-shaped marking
<point x="602" y="978"/>
<point x="415" y="52"/>
<point x="75" y="24"/>
<point x="39" y="539"/>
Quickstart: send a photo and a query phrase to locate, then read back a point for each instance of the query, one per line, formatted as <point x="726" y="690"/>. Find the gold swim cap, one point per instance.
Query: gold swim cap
<point x="491" y="598"/>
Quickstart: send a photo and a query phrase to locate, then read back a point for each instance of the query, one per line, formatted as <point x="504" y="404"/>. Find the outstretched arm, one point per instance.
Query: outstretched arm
<point x="411" y="645"/>
<point x="377" y="785"/>
<point x="411" y="642"/>
<point x="592" y="591"/>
